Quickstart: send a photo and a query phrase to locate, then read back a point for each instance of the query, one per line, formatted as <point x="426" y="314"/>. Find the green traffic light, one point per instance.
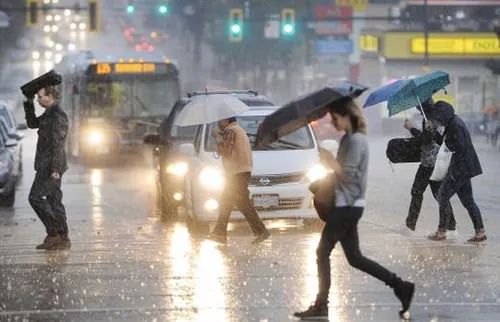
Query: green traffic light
<point x="235" y="29"/>
<point x="288" y="29"/>
<point x="130" y="9"/>
<point x="163" y="9"/>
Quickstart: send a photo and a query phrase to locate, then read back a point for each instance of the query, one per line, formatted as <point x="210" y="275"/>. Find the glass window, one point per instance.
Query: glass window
<point x="137" y="97"/>
<point x="300" y="139"/>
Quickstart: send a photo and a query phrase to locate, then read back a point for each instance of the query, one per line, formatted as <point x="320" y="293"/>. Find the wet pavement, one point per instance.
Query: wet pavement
<point x="127" y="264"/>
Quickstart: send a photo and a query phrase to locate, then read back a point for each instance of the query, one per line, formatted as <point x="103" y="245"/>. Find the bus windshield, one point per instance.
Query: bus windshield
<point x="136" y="97"/>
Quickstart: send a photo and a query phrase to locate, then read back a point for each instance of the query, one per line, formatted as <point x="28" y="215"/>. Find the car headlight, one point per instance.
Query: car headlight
<point x="178" y="169"/>
<point x="317" y="172"/>
<point x="212" y="178"/>
<point x="95" y="137"/>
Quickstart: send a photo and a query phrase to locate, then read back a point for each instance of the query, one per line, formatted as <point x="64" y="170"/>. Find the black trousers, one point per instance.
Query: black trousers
<point x="46" y="200"/>
<point x="461" y="186"/>
<point x="236" y="193"/>
<point x="342" y="226"/>
<point x="420" y="183"/>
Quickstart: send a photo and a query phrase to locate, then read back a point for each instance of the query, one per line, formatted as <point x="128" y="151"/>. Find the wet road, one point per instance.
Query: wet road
<point x="128" y="265"/>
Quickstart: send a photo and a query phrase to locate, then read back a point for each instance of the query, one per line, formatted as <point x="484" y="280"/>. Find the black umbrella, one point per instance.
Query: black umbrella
<point x="304" y="110"/>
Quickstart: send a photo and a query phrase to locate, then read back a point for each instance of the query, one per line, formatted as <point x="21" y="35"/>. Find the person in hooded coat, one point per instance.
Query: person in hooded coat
<point x="464" y="165"/>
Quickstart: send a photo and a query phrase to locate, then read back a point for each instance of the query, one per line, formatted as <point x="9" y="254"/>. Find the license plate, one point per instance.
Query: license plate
<point x="266" y="201"/>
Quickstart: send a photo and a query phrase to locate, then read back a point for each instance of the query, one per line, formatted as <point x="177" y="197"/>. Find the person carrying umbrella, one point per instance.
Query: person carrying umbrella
<point x="430" y="139"/>
<point x="234" y="147"/>
<point x="350" y="168"/>
<point x="464" y="165"/>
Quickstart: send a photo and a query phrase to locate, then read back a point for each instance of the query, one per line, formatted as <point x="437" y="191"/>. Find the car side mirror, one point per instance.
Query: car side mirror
<point x="11" y="143"/>
<point x="187" y="149"/>
<point x="330" y="145"/>
<point x="153" y="139"/>
<point x="22" y="126"/>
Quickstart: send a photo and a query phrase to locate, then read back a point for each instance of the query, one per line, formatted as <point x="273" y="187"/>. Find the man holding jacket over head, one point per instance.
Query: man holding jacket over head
<point x="50" y="163"/>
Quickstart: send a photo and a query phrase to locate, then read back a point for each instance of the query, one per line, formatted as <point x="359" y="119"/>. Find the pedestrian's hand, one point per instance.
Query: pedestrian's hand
<point x="408" y="124"/>
<point x="55" y="176"/>
<point x="215" y="133"/>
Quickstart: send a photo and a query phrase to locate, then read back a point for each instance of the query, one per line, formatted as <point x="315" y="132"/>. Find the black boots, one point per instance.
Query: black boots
<point x="404" y="292"/>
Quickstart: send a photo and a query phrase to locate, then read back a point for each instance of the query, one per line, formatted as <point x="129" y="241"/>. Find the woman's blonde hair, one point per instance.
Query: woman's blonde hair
<point x="356" y="115"/>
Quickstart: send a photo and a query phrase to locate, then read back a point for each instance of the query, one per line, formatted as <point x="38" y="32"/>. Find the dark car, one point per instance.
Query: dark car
<point x="13" y="142"/>
<point x="7" y="177"/>
<point x="171" y="165"/>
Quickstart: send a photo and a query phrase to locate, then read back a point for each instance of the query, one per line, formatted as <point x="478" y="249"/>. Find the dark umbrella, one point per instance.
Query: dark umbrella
<point x="304" y="110"/>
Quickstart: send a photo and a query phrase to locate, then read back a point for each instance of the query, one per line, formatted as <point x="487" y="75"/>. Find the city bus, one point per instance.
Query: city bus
<point x="112" y="103"/>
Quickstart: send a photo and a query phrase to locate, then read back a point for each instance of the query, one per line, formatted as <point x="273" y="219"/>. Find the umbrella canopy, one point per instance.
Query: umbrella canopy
<point x="384" y="93"/>
<point x="304" y="110"/>
<point x="405" y="94"/>
<point x="205" y="109"/>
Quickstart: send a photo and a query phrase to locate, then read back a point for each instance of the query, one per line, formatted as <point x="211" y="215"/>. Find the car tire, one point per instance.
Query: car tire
<point x="9" y="199"/>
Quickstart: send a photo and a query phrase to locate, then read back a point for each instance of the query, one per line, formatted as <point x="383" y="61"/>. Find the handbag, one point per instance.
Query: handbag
<point x="324" y="195"/>
<point x="443" y="160"/>
<point x="403" y="150"/>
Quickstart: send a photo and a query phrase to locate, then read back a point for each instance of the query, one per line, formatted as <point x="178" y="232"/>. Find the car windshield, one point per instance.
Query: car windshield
<point x="300" y="139"/>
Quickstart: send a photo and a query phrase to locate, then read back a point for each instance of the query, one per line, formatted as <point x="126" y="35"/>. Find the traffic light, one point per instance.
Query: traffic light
<point x="130" y="8"/>
<point x="235" y="25"/>
<point x="93" y="15"/>
<point x="32" y="12"/>
<point x="162" y="9"/>
<point x="288" y="22"/>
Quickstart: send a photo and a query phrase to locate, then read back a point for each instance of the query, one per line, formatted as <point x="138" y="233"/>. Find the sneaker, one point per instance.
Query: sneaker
<point x="218" y="238"/>
<point x="49" y="242"/>
<point x="437" y="236"/>
<point x="477" y="238"/>
<point x="314" y="312"/>
<point x="404" y="292"/>
<point x="65" y="243"/>
<point x="260" y="238"/>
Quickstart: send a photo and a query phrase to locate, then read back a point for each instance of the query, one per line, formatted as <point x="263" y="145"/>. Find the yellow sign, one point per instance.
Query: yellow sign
<point x="357" y="5"/>
<point x="482" y="46"/>
<point x="368" y="43"/>
<point x="456" y="46"/>
<point x="134" y="68"/>
<point x="103" y="69"/>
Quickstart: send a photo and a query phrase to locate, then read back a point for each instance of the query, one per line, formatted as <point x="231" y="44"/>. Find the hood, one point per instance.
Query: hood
<point x="284" y="161"/>
<point x="274" y="162"/>
<point x="442" y="113"/>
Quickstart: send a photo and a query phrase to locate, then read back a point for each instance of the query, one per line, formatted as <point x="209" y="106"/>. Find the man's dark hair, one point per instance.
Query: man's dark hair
<point x="52" y="91"/>
<point x="232" y="119"/>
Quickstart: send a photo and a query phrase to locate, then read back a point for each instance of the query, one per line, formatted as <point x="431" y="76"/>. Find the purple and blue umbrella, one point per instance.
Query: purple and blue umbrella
<point x="405" y="94"/>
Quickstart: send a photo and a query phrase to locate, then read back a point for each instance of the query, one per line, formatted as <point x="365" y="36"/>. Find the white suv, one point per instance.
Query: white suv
<point x="281" y="172"/>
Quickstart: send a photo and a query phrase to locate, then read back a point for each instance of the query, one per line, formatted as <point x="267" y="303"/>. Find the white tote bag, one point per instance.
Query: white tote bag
<point x="443" y="160"/>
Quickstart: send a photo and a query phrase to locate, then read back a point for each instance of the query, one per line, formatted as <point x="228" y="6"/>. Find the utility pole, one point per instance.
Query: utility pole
<point x="426" y="37"/>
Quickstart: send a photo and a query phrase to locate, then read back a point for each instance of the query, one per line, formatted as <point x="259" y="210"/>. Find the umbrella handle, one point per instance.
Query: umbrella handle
<point x="421" y="107"/>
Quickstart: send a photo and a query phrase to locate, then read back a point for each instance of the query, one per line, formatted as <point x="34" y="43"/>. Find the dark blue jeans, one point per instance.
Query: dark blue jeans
<point x="461" y="186"/>
<point x="342" y="226"/>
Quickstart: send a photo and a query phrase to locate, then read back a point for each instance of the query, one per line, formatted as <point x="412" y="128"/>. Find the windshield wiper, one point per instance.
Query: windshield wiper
<point x="141" y="103"/>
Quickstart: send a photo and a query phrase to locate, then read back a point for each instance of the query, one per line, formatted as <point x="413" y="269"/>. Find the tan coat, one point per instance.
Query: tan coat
<point x="235" y="150"/>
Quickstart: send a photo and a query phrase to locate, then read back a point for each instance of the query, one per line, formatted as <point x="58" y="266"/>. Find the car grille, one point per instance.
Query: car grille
<point x="271" y="180"/>
<point x="284" y="204"/>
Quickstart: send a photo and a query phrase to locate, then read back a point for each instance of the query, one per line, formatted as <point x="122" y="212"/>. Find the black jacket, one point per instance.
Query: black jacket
<point x="465" y="162"/>
<point x="52" y="131"/>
